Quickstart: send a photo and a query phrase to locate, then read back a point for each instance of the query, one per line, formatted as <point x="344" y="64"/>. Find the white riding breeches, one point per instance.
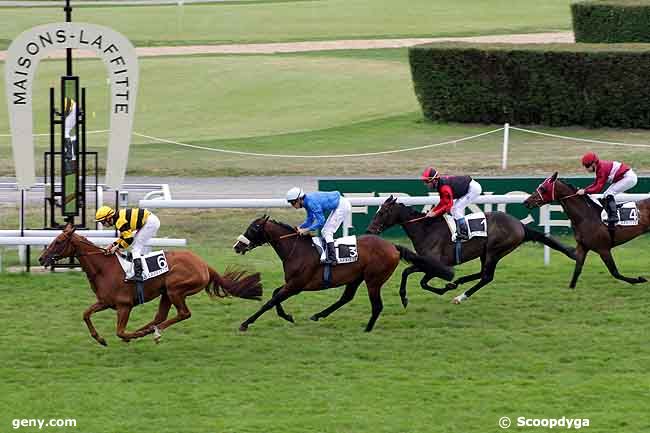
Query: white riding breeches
<point x="458" y="208"/>
<point x="627" y="182"/>
<point x="335" y="219"/>
<point x="148" y="231"/>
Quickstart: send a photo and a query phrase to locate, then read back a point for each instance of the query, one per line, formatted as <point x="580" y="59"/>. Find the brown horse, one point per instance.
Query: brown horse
<point x="588" y="229"/>
<point x="188" y="274"/>
<point x="303" y="271"/>
<point x="431" y="238"/>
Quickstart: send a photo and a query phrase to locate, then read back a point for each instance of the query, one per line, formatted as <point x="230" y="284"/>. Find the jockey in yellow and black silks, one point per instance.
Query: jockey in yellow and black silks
<point x="136" y="227"/>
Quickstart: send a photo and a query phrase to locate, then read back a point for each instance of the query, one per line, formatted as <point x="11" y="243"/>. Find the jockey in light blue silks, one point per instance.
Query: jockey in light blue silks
<point x="317" y="205"/>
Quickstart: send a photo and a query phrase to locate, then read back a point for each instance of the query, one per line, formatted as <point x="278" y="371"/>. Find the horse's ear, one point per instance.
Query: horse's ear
<point x="554" y="177"/>
<point x="389" y="199"/>
<point x="266" y="217"/>
<point x="69" y="228"/>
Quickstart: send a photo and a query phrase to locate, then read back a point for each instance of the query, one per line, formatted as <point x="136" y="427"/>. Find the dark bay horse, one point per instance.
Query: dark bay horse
<point x="303" y="271"/>
<point x="588" y="229"/>
<point x="188" y="274"/>
<point x="431" y="237"/>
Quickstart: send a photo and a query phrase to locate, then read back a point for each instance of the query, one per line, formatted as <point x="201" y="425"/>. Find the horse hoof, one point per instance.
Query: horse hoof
<point x="405" y="302"/>
<point x="314" y="318"/>
<point x="101" y="341"/>
<point x="642" y="280"/>
<point x="243" y="328"/>
<point x="451" y="286"/>
<point x="290" y="319"/>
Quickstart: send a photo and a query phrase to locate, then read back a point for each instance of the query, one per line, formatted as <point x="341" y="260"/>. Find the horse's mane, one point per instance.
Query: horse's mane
<point x="285" y="225"/>
<point x="589" y="201"/>
<point x="86" y="241"/>
<point x="414" y="213"/>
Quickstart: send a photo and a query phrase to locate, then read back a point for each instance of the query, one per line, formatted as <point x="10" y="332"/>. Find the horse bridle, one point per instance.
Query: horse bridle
<point x="553" y="193"/>
<point x="68" y="238"/>
<point x="267" y="239"/>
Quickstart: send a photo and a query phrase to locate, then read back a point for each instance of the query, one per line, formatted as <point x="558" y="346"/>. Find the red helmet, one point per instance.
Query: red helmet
<point x="429" y="174"/>
<point x="589" y="158"/>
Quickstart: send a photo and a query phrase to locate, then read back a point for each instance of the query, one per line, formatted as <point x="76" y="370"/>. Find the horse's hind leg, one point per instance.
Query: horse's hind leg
<point x="462" y="280"/>
<point x="90" y="311"/>
<point x="606" y="256"/>
<point x="374" y="293"/>
<point x="123" y="312"/>
<point x="182" y="313"/>
<point x="161" y="315"/>
<point x="347" y="296"/>
<point x="280" y="310"/>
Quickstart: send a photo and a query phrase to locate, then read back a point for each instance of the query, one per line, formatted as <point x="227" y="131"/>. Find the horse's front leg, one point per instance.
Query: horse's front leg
<point x="581" y="255"/>
<point x="89" y="312"/>
<point x="123" y="312"/>
<point x="281" y="295"/>
<point x="402" y="286"/>
<point x="280" y="310"/>
<point x="424" y="284"/>
<point x="347" y="296"/>
<point x="462" y="280"/>
<point x="163" y="311"/>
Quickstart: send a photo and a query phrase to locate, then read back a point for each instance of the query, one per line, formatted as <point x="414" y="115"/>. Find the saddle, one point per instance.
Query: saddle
<point x="345" y="247"/>
<point x="153" y="265"/>
<point x="476" y="225"/>
<point x="628" y="214"/>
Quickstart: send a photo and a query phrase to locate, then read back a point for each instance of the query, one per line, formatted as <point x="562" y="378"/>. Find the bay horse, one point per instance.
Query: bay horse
<point x="188" y="274"/>
<point x="431" y="237"/>
<point x="303" y="271"/>
<point x="589" y="231"/>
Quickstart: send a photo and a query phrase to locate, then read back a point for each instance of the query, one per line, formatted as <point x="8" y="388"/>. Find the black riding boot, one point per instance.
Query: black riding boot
<point x="330" y="255"/>
<point x="612" y="212"/>
<point x="137" y="270"/>
<point x="462" y="231"/>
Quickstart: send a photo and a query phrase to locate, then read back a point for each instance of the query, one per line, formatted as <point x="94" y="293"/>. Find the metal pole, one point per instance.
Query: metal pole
<point x="68" y="51"/>
<point x="506" y="139"/>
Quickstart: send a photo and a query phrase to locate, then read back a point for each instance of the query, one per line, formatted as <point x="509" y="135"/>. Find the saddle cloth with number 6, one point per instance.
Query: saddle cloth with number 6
<point x="154" y="264"/>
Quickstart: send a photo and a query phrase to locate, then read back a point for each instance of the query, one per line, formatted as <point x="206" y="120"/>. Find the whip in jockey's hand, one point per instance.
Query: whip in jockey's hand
<point x="318" y="205"/>
<point x="111" y="249"/>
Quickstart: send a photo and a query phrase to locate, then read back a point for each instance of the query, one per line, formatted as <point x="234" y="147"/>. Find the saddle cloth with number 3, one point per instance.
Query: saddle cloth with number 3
<point x="153" y="265"/>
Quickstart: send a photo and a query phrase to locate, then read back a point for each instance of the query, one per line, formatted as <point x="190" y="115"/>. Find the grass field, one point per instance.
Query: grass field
<point x="303" y="20"/>
<point x="317" y="103"/>
<point x="523" y="346"/>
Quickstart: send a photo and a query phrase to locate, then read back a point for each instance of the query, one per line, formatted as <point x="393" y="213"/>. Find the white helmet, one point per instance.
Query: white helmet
<point x="295" y="193"/>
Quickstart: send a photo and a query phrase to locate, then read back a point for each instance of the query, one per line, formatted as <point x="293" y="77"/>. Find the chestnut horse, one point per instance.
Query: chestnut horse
<point x="303" y="271"/>
<point x="188" y="274"/>
<point x="588" y="229"/>
<point x="431" y="238"/>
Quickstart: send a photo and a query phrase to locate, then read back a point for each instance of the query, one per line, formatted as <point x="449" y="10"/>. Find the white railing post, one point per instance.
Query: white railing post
<point x="506" y="139"/>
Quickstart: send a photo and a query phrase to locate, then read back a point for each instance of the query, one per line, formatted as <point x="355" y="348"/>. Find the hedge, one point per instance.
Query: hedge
<point x="611" y="21"/>
<point x="550" y="84"/>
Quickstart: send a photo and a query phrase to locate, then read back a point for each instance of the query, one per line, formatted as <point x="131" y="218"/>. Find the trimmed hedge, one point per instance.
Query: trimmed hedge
<point x="612" y="21"/>
<point x="549" y="84"/>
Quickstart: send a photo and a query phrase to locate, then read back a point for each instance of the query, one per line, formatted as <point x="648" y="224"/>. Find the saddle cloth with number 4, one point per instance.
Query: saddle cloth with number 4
<point x="628" y="214"/>
<point x="153" y="265"/>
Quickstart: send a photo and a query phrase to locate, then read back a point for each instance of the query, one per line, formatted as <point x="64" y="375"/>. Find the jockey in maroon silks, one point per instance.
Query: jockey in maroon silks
<point x="456" y="193"/>
<point x="621" y="176"/>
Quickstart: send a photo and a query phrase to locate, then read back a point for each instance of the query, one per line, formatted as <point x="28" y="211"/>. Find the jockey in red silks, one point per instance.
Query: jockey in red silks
<point x="456" y="193"/>
<point x="621" y="176"/>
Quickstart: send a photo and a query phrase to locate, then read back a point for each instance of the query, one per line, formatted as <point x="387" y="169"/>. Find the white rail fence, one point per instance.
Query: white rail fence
<point x="360" y="205"/>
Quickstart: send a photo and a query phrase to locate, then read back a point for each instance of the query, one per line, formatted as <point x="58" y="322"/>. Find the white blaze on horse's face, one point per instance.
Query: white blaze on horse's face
<point x="242" y="245"/>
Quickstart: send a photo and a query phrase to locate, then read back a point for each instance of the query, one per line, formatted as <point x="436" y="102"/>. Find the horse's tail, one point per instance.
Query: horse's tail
<point x="427" y="265"/>
<point x="236" y="283"/>
<point x="535" y="236"/>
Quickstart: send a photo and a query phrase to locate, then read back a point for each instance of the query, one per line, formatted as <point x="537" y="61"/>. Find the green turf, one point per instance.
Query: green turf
<point x="523" y="346"/>
<point x="305" y="20"/>
<point x="307" y="104"/>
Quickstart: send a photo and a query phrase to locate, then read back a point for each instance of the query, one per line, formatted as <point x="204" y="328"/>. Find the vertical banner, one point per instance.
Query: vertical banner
<point x="70" y="160"/>
<point x="23" y="57"/>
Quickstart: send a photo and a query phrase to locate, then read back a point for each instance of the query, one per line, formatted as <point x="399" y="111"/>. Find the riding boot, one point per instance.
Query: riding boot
<point x="330" y="255"/>
<point x="462" y="231"/>
<point x="612" y="212"/>
<point x="137" y="270"/>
